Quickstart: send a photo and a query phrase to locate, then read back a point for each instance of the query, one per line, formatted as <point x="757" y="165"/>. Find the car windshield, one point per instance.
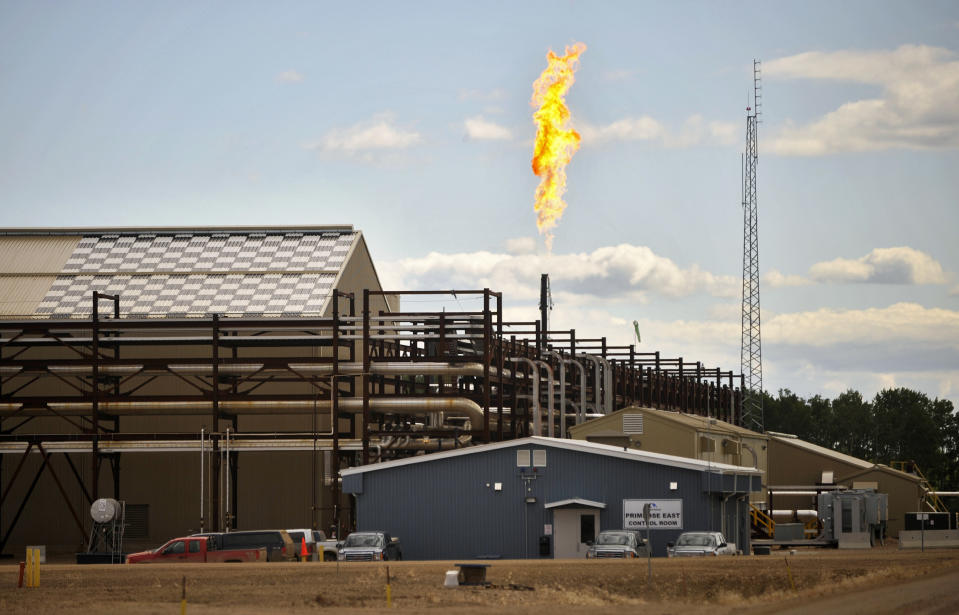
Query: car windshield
<point x="610" y="538"/>
<point x="696" y="540"/>
<point x="364" y="540"/>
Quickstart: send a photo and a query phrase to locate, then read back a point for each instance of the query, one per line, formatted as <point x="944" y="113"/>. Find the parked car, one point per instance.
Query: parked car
<point x="617" y="543"/>
<point x="317" y="545"/>
<point x="326" y="545"/>
<point x="279" y="547"/>
<point x="195" y="549"/>
<point x="369" y="546"/>
<point x="700" y="543"/>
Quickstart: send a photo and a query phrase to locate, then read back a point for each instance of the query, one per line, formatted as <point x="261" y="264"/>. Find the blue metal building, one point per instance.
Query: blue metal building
<point x="545" y="497"/>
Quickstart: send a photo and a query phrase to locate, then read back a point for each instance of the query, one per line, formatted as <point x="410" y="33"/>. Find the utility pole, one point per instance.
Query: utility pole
<point x="751" y="356"/>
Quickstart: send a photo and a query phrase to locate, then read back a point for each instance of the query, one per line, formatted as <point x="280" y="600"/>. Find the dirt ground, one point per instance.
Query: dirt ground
<point x="877" y="581"/>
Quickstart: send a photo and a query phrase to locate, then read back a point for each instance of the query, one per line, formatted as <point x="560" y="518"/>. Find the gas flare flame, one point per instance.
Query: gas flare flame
<point x="556" y="142"/>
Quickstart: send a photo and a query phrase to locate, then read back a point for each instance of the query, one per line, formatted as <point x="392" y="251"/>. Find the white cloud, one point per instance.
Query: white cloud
<point x="377" y="133"/>
<point x="642" y="128"/>
<point x="521" y="245"/>
<point x="918" y="106"/>
<point x="695" y="131"/>
<point x="899" y="265"/>
<point x="289" y="76"/>
<point x="954" y="292"/>
<point x="898" y="323"/>
<point x="776" y="279"/>
<point x="826" y="351"/>
<point x="481" y="129"/>
<point x="622" y="272"/>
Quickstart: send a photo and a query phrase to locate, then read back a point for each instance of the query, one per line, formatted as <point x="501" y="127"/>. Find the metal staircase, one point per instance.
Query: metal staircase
<point x="762" y="524"/>
<point x="929" y="497"/>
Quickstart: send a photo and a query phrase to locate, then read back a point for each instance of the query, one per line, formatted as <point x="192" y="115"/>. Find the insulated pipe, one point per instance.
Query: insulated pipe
<point x="537" y="410"/>
<point x="562" y="392"/>
<point x="405" y="368"/>
<point x="327" y="468"/>
<point x="399" y="405"/>
<point x="597" y="403"/>
<point x="87" y="369"/>
<point x="608" y="393"/>
<point x="581" y="407"/>
<point x="222" y="368"/>
<point x="394" y="368"/>
<point x="227" y="455"/>
<point x="549" y="395"/>
<point x="201" y="479"/>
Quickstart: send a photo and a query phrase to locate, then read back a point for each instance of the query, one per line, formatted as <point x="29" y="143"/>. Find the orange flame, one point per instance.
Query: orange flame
<point x="555" y="141"/>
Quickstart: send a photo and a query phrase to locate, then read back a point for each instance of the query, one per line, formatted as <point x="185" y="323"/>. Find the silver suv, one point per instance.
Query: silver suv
<point x="617" y="543"/>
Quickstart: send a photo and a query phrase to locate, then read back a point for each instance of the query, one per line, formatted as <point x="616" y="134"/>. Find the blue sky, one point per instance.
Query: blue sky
<point x="412" y="122"/>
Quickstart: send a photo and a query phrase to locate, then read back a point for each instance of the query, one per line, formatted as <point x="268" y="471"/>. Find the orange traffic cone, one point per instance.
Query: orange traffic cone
<point x="304" y="554"/>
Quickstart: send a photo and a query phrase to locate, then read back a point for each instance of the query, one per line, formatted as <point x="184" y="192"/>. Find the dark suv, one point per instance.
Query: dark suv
<point x="279" y="547"/>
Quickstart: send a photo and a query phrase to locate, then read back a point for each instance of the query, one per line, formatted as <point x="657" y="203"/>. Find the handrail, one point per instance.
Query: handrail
<point x="762" y="520"/>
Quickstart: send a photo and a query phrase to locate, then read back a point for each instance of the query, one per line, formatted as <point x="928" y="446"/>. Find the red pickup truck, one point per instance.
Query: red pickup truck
<point x="194" y="549"/>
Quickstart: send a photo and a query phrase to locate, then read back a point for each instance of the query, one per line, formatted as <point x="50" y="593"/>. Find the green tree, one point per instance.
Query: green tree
<point x="908" y="426"/>
<point x="822" y="427"/>
<point x="852" y="425"/>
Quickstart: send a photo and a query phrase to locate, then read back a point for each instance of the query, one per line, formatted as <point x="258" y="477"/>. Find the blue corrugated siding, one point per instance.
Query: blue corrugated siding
<point x="444" y="510"/>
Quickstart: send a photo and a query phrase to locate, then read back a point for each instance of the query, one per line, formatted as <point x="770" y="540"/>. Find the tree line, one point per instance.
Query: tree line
<point x="897" y="425"/>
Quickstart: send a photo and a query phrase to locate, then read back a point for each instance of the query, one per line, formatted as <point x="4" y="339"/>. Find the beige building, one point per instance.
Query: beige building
<point x="241" y="274"/>
<point x="683" y="435"/>
<point x="797" y="463"/>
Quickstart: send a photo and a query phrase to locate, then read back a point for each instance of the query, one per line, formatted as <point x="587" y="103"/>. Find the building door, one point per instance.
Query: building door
<point x="572" y="527"/>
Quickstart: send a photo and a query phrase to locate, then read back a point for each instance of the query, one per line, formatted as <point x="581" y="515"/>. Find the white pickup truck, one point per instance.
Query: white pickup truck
<point x="692" y="544"/>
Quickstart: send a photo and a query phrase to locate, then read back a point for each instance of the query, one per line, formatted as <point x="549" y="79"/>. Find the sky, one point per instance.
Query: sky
<point x="412" y="121"/>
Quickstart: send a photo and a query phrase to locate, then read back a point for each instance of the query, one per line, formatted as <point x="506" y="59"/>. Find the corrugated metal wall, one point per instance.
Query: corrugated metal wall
<point x="28" y="267"/>
<point x="444" y="509"/>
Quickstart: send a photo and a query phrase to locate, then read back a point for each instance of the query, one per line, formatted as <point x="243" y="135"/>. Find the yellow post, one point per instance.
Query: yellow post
<point x="790" y="573"/>
<point x="33" y="567"/>
<point x="183" y="597"/>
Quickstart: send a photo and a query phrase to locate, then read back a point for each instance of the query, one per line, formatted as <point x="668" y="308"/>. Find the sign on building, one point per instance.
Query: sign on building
<point x="663" y="514"/>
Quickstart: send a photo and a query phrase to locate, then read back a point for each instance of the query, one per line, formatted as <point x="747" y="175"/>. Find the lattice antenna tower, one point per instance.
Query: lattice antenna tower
<point x="751" y="355"/>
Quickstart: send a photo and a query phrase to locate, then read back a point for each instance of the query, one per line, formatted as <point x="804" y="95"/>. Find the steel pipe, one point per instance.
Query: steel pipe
<point x="353" y="405"/>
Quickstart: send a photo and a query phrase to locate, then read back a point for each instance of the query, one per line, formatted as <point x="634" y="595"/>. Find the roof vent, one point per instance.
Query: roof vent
<point x="633" y="424"/>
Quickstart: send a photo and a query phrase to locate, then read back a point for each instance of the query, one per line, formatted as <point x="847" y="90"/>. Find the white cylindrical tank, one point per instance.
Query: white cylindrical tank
<point x="104" y="510"/>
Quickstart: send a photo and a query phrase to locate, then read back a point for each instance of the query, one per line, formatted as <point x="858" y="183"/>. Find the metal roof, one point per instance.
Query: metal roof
<point x="822" y="450"/>
<point x="576" y="502"/>
<point x="862" y="464"/>
<point x="573" y="445"/>
<point x="174" y="271"/>
<point x="690" y="420"/>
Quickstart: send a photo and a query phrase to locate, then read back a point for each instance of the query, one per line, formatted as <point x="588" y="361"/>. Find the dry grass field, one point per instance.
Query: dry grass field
<point x="717" y="585"/>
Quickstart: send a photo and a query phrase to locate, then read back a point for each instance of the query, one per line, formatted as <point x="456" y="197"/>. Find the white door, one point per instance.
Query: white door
<point x="572" y="527"/>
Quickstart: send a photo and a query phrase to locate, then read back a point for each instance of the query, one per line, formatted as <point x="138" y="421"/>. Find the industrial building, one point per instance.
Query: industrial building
<point x="797" y="468"/>
<point x="217" y="378"/>
<point x="684" y="435"/>
<point x="795" y="471"/>
<point x="545" y="497"/>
